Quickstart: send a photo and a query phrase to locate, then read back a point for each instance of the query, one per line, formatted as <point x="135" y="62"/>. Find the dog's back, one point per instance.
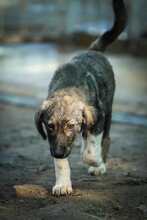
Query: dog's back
<point x="91" y="68"/>
<point x="78" y="72"/>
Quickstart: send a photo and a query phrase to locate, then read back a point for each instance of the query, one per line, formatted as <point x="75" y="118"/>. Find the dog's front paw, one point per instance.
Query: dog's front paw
<point x="60" y="189"/>
<point x="95" y="171"/>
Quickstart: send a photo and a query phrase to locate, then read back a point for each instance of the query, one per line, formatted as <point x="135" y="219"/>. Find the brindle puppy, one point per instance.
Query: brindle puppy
<point x="80" y="102"/>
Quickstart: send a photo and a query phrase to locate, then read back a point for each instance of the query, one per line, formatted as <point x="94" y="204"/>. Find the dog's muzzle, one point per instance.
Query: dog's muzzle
<point x="60" y="152"/>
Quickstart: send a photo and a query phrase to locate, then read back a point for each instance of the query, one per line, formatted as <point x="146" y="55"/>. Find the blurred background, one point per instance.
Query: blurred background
<point x="44" y="20"/>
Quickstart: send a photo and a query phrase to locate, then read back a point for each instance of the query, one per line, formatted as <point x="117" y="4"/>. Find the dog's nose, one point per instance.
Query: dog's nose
<point x="59" y="152"/>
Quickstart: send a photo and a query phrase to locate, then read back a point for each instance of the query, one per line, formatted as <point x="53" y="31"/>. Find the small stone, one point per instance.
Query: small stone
<point x="31" y="191"/>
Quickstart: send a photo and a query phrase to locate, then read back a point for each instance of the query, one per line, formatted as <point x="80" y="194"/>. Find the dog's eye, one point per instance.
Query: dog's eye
<point x="51" y="126"/>
<point x="70" y="126"/>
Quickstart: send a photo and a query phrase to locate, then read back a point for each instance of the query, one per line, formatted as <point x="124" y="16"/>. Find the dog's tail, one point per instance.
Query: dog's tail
<point x="120" y="21"/>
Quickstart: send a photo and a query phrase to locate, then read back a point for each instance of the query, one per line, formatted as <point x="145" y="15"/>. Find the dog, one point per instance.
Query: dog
<point x="79" y="102"/>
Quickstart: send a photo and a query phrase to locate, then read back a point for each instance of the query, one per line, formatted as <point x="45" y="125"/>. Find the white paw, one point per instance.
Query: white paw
<point x="60" y="189"/>
<point x="89" y="158"/>
<point x="95" y="171"/>
<point x="90" y="161"/>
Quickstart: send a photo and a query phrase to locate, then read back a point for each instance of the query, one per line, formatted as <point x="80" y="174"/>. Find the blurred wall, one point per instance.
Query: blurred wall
<point x="57" y="17"/>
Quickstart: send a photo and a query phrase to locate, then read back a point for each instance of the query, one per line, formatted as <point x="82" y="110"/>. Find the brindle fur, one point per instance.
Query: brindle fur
<point x="73" y="97"/>
<point x="75" y="73"/>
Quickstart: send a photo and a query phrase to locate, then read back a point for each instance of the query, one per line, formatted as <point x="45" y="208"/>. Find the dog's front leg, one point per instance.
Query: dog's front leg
<point x="63" y="184"/>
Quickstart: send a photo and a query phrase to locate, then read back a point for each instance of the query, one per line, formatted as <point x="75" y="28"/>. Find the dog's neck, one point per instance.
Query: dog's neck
<point x="72" y="92"/>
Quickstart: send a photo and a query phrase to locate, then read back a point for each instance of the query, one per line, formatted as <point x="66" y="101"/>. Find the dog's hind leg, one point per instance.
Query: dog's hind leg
<point x="106" y="137"/>
<point x="102" y="148"/>
<point x="63" y="184"/>
<point x="92" y="154"/>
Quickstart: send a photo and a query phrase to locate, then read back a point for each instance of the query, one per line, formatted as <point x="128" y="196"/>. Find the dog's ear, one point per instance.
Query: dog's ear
<point x="88" y="119"/>
<point x="93" y="120"/>
<point x="39" y="119"/>
<point x="100" y="118"/>
<point x="39" y="123"/>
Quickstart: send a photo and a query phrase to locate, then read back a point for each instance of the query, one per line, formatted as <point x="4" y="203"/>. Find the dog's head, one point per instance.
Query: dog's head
<point x="63" y="117"/>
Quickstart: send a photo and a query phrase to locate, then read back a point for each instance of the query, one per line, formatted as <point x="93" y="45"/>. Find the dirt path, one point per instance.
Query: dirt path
<point x="24" y="159"/>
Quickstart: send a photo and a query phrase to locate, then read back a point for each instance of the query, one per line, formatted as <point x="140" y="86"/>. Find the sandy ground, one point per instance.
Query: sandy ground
<point x="24" y="159"/>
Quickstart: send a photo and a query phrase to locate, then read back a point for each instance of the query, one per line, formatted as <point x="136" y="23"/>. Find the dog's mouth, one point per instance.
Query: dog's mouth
<point x="60" y="152"/>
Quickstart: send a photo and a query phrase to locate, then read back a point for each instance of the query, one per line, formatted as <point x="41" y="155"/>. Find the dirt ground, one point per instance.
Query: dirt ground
<point x="25" y="159"/>
<point x="121" y="194"/>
